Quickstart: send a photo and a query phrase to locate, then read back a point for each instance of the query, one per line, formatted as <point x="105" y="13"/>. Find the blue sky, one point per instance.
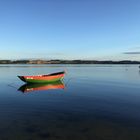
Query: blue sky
<point x="70" y="29"/>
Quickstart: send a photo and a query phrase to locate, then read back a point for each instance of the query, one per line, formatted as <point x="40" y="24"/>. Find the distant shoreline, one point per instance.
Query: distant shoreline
<point x="67" y="62"/>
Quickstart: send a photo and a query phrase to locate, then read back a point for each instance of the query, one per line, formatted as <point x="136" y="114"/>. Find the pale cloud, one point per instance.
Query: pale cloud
<point x="132" y="53"/>
<point x="137" y="48"/>
<point x="45" y="53"/>
<point x="31" y="55"/>
<point x="134" y="48"/>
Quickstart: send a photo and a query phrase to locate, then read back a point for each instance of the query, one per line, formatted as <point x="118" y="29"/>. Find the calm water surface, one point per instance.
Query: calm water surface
<point x="98" y="102"/>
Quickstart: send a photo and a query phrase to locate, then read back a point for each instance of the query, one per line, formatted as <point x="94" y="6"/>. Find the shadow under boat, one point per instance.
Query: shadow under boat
<point x="29" y="87"/>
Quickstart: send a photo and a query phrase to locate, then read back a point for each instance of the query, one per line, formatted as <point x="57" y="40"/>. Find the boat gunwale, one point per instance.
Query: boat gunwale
<point x="44" y="75"/>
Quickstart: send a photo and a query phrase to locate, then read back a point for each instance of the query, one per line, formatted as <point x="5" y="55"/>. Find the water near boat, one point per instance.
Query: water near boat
<point x="98" y="102"/>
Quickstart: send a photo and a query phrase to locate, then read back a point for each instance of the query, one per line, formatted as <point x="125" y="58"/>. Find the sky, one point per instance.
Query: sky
<point x="70" y="29"/>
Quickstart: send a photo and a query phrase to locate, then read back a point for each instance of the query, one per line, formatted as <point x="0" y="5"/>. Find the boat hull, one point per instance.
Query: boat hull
<point x="43" y="78"/>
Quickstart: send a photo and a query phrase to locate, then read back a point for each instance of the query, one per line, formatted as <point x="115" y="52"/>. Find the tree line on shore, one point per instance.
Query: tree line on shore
<point x="67" y="62"/>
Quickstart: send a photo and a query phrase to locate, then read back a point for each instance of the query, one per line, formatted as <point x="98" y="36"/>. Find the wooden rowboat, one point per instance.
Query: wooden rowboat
<point x="43" y="78"/>
<point x="29" y="87"/>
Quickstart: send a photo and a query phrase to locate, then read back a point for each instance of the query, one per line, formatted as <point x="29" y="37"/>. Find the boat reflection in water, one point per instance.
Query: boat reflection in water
<point x="29" y="87"/>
